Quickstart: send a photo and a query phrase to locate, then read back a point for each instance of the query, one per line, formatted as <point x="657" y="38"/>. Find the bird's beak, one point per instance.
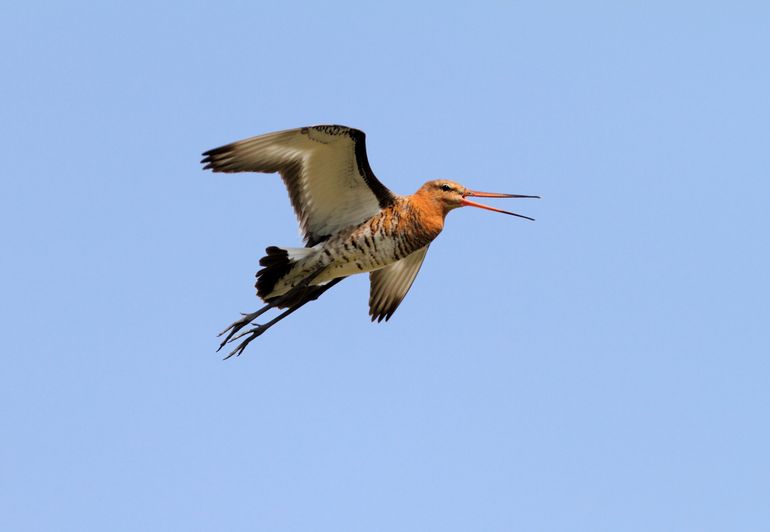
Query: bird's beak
<point x="465" y="202"/>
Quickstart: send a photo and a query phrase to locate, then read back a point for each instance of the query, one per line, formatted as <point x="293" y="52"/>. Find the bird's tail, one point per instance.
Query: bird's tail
<point x="276" y="265"/>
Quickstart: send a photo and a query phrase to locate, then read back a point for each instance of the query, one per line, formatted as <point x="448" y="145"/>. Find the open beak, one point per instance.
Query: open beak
<point x="474" y="193"/>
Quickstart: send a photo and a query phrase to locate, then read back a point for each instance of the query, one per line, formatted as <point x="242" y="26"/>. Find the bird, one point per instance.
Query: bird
<point x="351" y="223"/>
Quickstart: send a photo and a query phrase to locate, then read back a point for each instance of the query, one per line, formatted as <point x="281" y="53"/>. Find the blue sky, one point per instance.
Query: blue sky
<point x="603" y="368"/>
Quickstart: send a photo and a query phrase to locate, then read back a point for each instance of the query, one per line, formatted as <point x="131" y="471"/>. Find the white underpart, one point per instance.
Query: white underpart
<point x="297" y="254"/>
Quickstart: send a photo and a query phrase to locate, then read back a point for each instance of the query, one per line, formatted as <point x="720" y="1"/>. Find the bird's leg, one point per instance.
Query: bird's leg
<point x="258" y="330"/>
<point x="237" y="325"/>
<point x="243" y="322"/>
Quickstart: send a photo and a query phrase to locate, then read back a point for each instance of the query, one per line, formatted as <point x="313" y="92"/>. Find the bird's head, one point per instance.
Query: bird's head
<point x="451" y="195"/>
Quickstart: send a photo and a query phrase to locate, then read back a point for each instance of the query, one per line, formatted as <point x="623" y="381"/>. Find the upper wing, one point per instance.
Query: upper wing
<point x="325" y="169"/>
<point x="390" y="284"/>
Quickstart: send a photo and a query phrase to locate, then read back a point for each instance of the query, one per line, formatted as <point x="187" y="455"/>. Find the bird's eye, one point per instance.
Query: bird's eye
<point x="445" y="187"/>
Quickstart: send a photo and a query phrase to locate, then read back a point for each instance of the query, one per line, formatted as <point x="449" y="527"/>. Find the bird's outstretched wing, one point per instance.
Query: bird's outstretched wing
<point x="390" y="284"/>
<point x="325" y="169"/>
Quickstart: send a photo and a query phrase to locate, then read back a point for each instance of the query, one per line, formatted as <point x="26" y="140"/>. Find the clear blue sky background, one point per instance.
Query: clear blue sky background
<point x="604" y="368"/>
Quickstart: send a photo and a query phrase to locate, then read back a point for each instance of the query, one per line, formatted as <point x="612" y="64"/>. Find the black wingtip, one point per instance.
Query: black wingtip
<point x="207" y="161"/>
<point x="213" y="158"/>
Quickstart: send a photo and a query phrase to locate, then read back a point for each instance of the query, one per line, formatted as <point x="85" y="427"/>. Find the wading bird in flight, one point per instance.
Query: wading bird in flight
<point x="350" y="221"/>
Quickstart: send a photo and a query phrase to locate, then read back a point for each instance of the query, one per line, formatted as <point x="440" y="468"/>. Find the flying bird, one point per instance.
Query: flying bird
<point x="350" y="221"/>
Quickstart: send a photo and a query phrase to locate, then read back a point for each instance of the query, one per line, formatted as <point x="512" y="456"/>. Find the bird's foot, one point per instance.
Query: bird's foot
<point x="237" y="325"/>
<point x="250" y="335"/>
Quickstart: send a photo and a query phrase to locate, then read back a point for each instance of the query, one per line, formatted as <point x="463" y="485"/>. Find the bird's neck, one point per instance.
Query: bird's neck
<point x="430" y="212"/>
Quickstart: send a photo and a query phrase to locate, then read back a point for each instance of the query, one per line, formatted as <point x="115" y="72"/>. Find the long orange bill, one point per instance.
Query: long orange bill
<point x="493" y="195"/>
